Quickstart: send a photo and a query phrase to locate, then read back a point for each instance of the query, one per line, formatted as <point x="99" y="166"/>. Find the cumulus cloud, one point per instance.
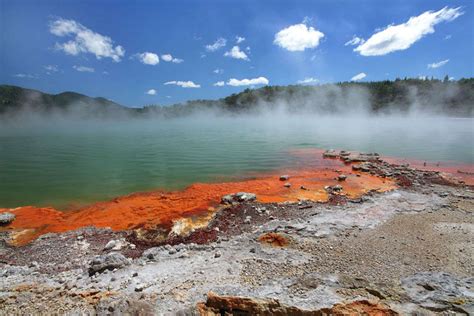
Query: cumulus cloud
<point x="83" y="68"/>
<point x="170" y="58"/>
<point x="236" y="53"/>
<point x="148" y="58"/>
<point x="218" y="71"/>
<point x="219" y="84"/>
<point x="438" y="64"/>
<point x="355" y="41"/>
<point x="84" y="40"/>
<point x="308" y="80"/>
<point x="298" y="37"/>
<point x="151" y="92"/>
<point x="219" y="43"/>
<point x="239" y="39"/>
<point x="183" y="84"/>
<point x="402" y="36"/>
<point x="247" y="82"/>
<point x="359" y="76"/>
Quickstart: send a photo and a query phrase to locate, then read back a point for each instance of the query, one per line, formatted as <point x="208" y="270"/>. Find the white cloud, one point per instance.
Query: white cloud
<point x="358" y="77"/>
<point x="218" y="71"/>
<point x="448" y="37"/>
<point x="239" y="39"/>
<point x="219" y="43"/>
<point x="83" y="68"/>
<point x="298" y="37"/>
<point x="167" y="57"/>
<point x="170" y="58"/>
<point x="183" y="84"/>
<point x="247" y="82"/>
<point x="51" y="68"/>
<point x="151" y="92"/>
<point x="219" y="84"/>
<point x="355" y="41"/>
<point x="148" y="58"/>
<point x="308" y="80"/>
<point x="28" y="76"/>
<point x="236" y="53"/>
<point x="438" y="64"/>
<point x="84" y="40"/>
<point x="402" y="36"/>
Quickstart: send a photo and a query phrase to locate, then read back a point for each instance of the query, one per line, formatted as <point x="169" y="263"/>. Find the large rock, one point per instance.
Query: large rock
<point x="238" y="198"/>
<point x="238" y="305"/>
<point x="114" y="244"/>
<point x="438" y="291"/>
<point x="110" y="261"/>
<point x="6" y="218"/>
<point x="330" y="153"/>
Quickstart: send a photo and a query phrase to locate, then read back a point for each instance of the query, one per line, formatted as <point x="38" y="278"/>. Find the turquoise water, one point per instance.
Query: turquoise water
<point x="64" y="162"/>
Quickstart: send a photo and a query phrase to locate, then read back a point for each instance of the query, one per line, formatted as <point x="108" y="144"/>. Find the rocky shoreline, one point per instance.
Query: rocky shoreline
<point x="407" y="251"/>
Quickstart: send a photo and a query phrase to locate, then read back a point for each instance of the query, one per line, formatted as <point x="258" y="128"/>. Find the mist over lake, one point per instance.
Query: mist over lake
<point x="65" y="161"/>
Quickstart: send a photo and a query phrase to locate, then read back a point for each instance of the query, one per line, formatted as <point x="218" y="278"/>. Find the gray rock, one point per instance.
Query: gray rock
<point x="287" y="185"/>
<point x="342" y="177"/>
<point x="113" y="245"/>
<point x="172" y="251"/>
<point x="284" y="177"/>
<point x="238" y="197"/>
<point x="110" y="261"/>
<point x="6" y="218"/>
<point x="331" y="153"/>
<point x="438" y="291"/>
<point x="139" y="287"/>
<point x="153" y="253"/>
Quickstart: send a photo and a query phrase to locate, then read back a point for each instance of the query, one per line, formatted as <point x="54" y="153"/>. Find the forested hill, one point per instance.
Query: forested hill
<point x="13" y="98"/>
<point x="455" y="98"/>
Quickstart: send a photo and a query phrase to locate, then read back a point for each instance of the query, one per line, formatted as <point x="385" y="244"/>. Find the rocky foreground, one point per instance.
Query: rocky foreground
<point x="408" y="251"/>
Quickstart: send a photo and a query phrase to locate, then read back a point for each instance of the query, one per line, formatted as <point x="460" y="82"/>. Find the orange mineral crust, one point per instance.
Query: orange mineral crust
<point x="162" y="209"/>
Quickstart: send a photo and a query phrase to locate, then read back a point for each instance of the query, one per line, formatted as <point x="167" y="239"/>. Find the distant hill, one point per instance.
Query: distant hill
<point x="423" y="96"/>
<point x="447" y="97"/>
<point x="13" y="98"/>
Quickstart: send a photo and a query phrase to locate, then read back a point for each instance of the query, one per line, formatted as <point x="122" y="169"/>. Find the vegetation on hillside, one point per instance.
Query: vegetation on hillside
<point x="402" y="95"/>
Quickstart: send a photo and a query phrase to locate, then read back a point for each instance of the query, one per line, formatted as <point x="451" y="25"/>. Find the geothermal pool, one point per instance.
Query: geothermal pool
<point x="65" y="163"/>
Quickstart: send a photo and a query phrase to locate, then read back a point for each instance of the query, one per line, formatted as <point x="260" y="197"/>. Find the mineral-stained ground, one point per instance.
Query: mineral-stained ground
<point x="405" y="250"/>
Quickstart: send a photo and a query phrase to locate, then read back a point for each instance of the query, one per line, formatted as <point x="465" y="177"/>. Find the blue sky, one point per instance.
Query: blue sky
<point x="120" y="49"/>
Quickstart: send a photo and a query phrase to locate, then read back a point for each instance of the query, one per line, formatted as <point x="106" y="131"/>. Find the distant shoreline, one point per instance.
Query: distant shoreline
<point x="401" y="96"/>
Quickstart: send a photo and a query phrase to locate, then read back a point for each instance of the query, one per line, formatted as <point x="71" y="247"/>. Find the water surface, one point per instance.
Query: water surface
<point x="65" y="162"/>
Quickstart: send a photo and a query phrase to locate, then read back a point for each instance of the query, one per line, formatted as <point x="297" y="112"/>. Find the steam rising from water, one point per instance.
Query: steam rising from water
<point x="59" y="156"/>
